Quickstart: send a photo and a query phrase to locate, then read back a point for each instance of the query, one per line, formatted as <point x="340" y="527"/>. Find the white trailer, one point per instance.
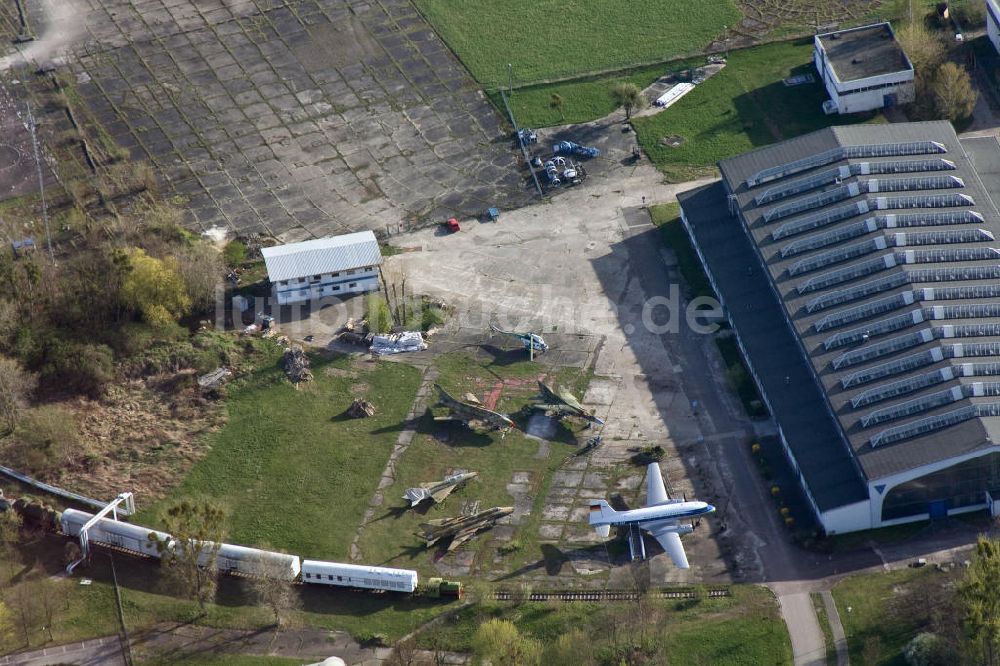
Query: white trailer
<point x="253" y="562"/>
<point x="114" y="533"/>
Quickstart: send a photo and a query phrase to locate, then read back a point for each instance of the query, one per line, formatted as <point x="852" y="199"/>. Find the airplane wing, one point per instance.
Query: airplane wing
<point x="461" y="537"/>
<point x="656" y="492"/>
<point x="571" y="400"/>
<point x="671" y="542"/>
<point x="444" y="492"/>
<point x="550" y="408"/>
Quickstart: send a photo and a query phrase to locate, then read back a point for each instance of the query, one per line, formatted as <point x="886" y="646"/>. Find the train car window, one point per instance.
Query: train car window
<point x="339" y="578"/>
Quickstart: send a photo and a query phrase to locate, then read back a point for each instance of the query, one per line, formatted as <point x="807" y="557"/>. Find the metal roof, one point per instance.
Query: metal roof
<point x="886" y="279"/>
<point x="861" y="53"/>
<point x="324" y="255"/>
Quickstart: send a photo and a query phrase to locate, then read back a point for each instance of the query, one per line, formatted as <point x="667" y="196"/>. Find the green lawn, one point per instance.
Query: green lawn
<point x="824" y="625"/>
<point x="546" y="39"/>
<point x="442" y="447"/>
<point x="222" y="660"/>
<point x="875" y="621"/>
<point x="742" y="630"/>
<point x="742" y="107"/>
<point x="583" y="100"/>
<point x="293" y="470"/>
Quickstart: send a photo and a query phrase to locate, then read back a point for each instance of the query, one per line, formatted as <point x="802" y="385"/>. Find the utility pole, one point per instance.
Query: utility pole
<point x="510" y="78"/>
<point x="30" y="126"/>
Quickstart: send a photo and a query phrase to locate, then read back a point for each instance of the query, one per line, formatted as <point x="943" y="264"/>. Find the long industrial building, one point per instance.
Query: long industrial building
<point x="860" y="271"/>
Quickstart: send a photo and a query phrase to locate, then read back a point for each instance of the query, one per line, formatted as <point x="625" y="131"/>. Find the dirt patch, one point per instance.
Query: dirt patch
<point x="139" y="439"/>
<point x="672" y="141"/>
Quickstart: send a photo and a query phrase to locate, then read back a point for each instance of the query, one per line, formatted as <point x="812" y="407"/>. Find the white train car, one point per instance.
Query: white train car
<point x="254" y="562"/>
<point x="351" y="575"/>
<point x="113" y="532"/>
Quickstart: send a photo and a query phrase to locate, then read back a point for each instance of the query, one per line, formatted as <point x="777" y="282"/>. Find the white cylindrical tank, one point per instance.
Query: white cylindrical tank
<point x="352" y="575"/>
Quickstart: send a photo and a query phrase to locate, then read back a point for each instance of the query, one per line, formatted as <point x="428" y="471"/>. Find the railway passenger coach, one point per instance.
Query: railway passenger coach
<point x="352" y="575"/>
<point x="114" y="532"/>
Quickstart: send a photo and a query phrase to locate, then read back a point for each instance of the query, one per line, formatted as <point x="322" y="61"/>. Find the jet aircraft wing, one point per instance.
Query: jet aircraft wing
<point x="462" y="536"/>
<point x="570" y="400"/>
<point x="656" y="492"/>
<point x="444" y="492"/>
<point x="671" y="542"/>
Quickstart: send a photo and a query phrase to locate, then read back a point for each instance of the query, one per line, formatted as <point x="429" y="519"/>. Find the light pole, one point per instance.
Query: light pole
<point x="30" y="126"/>
<point x="510" y="78"/>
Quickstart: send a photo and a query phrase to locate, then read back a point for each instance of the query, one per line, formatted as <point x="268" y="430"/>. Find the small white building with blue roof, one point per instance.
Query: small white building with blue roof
<point x="323" y="267"/>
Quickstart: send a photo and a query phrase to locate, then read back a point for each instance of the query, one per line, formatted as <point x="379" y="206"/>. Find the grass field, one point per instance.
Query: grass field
<point x="440" y="448"/>
<point x="548" y="39"/>
<point x="874" y="623"/>
<point x="740" y="108"/>
<point x="743" y="630"/>
<point x="221" y="660"/>
<point x="293" y="470"/>
<point x="583" y="100"/>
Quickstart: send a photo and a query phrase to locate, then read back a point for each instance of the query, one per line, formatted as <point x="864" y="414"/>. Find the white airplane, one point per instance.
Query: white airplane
<point x="660" y="517"/>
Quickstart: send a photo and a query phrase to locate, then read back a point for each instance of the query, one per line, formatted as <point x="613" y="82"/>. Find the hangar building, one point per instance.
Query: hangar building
<point x="315" y="269"/>
<point x="860" y="271"/>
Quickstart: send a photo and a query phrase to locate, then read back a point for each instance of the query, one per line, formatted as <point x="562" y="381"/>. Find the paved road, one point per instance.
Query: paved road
<point x="104" y="651"/>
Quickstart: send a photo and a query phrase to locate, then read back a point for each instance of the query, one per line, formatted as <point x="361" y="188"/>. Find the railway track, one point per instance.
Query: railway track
<point x="613" y="595"/>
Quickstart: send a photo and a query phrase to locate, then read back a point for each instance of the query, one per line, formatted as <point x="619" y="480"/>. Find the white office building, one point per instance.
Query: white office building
<point x="863" y="69"/>
<point x="324" y="267"/>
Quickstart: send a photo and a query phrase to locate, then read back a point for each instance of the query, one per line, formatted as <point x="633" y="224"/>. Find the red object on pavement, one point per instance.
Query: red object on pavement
<point x="452" y="225"/>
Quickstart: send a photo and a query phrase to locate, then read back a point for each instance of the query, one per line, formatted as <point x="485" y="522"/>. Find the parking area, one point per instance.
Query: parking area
<point x="296" y="119"/>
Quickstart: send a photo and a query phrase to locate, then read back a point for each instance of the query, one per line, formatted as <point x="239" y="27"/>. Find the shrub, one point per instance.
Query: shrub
<point x="78" y="367"/>
<point x="45" y="441"/>
<point x="378" y="315"/>
<point x="235" y="253"/>
<point x="927" y="649"/>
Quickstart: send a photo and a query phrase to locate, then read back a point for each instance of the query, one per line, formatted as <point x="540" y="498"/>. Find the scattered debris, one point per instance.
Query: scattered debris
<point x="398" y="343"/>
<point x="215" y="378"/>
<point x="648" y="454"/>
<point x="799" y="79"/>
<point x="571" y="148"/>
<point x="360" y="409"/>
<point x="296" y="365"/>
<point x="527" y="135"/>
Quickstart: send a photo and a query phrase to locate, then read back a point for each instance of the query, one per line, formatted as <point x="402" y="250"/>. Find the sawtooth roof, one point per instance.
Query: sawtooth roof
<point x="880" y="241"/>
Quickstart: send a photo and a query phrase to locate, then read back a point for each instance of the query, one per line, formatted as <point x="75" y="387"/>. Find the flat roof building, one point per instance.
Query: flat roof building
<point x="324" y="267"/>
<point x="860" y="269"/>
<point x="863" y="69"/>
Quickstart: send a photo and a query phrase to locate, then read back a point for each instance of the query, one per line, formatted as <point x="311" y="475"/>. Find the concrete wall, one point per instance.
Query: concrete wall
<point x="850" y="518"/>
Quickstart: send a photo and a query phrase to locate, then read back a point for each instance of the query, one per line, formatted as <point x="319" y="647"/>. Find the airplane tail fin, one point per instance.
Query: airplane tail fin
<point x="601" y="514"/>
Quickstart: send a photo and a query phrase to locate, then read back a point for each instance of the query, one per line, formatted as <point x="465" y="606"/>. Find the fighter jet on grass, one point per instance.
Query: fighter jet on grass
<point x="437" y="490"/>
<point x="563" y="404"/>
<point x="469" y="413"/>
<point x="461" y="528"/>
<point x="661" y="517"/>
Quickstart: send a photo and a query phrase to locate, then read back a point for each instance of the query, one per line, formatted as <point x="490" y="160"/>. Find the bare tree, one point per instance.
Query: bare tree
<point x="954" y="96"/>
<point x="10" y="529"/>
<point x="198" y="528"/>
<point x="16" y="386"/>
<point x="271" y="590"/>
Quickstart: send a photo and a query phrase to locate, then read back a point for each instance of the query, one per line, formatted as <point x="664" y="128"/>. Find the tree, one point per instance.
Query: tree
<point x="200" y="266"/>
<point x="628" y="96"/>
<point x="272" y="591"/>
<point x="7" y="626"/>
<point x="570" y="649"/>
<point x="954" y="97"/>
<point x="10" y="530"/>
<point x="155" y="289"/>
<point x="198" y="528"/>
<point x="16" y="385"/>
<point x="927" y="649"/>
<point x="556" y="103"/>
<point x="501" y="643"/>
<point x="979" y="595"/>
<point x="235" y="253"/>
<point x="925" y="50"/>
<point x="871" y="651"/>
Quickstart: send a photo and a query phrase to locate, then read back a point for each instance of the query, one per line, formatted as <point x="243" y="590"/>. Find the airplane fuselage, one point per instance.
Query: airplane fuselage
<point x="670" y="512"/>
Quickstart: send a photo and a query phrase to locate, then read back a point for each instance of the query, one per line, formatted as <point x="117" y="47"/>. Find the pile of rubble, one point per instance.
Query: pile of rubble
<point x="296" y="365"/>
<point x="360" y="409"/>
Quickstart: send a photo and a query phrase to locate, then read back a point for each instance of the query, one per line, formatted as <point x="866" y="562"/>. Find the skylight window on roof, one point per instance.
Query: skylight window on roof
<point x="881" y="327"/>
<point x="889" y="368"/>
<point x="910" y="407"/>
<point x="901" y="387"/>
<point x="862" y="290"/>
<point x="929" y="424"/>
<point x="883" y="348"/>
<point x="848" y="273"/>
<point x="865" y="311"/>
